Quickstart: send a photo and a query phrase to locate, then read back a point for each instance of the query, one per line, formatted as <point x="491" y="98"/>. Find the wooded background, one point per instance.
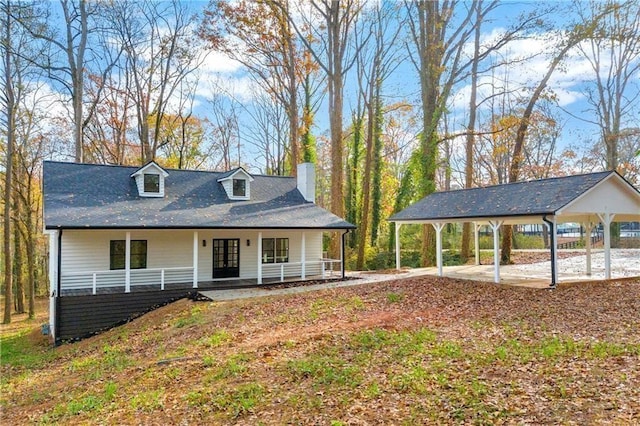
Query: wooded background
<point x="391" y="100"/>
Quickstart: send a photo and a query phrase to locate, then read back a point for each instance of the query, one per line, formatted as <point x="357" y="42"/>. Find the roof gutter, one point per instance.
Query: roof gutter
<point x="554" y="255"/>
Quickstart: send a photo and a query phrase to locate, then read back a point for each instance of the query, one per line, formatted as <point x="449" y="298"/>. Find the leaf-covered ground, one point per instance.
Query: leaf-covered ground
<point x="413" y="351"/>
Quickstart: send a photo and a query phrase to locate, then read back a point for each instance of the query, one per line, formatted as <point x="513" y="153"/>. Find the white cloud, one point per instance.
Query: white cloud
<point x="218" y="62"/>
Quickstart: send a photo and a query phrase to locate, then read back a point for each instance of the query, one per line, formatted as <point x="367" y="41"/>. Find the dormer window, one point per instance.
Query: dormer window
<point x="239" y="188"/>
<point x="151" y="183"/>
<point x="150" y="180"/>
<point x="237" y="184"/>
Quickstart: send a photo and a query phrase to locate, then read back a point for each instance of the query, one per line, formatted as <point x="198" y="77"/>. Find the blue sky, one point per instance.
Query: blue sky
<point x="568" y="83"/>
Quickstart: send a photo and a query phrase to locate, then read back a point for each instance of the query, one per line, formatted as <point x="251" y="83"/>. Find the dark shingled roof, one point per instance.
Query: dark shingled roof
<point x="527" y="198"/>
<point x="99" y="196"/>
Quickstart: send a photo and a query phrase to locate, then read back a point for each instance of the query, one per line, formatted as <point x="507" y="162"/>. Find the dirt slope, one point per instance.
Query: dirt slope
<point x="399" y="352"/>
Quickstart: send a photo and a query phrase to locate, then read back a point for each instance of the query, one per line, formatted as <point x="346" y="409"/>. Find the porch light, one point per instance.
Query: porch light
<point x="248" y="243"/>
<point x="204" y="243"/>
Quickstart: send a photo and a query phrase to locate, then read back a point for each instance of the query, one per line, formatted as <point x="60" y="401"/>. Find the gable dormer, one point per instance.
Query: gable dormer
<point x="150" y="180"/>
<point x="237" y="184"/>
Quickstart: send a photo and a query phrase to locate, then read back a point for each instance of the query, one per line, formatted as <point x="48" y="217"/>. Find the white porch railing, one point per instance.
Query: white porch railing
<point x="325" y="268"/>
<point x="95" y="280"/>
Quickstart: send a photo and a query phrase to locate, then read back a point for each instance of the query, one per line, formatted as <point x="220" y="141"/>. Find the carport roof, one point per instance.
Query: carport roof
<point x="525" y="199"/>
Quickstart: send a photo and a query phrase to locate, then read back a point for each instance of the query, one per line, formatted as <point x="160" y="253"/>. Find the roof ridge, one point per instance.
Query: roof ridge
<point x="73" y="163"/>
<point x="519" y="182"/>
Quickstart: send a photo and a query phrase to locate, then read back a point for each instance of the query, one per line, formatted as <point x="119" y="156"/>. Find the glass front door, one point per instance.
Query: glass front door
<point x="226" y="258"/>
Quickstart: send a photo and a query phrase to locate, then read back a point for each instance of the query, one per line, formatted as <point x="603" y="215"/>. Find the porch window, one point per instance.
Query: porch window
<point x="239" y="188"/>
<point x="275" y="250"/>
<point x="138" y="254"/>
<point x="151" y="183"/>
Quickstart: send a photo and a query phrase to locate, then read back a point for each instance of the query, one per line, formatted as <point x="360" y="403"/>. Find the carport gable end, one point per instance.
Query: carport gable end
<point x="602" y="197"/>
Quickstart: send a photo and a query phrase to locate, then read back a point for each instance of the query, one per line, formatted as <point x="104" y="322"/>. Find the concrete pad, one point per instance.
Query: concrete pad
<point x="624" y="263"/>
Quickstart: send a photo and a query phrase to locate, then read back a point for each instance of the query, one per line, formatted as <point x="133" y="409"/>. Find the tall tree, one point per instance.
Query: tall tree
<point x="381" y="61"/>
<point x="258" y="34"/>
<point x="84" y="45"/>
<point x="437" y="57"/>
<point x="613" y="54"/>
<point x="576" y="35"/>
<point x="9" y="104"/>
<point x="329" y="44"/>
<point x="161" y="52"/>
<point x="471" y="127"/>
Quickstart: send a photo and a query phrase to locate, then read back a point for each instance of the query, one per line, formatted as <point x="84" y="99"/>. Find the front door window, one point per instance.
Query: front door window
<point x="226" y="258"/>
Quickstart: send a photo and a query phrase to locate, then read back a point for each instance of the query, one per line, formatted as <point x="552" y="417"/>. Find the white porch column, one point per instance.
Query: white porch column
<point x="438" y="227"/>
<point x="127" y="263"/>
<point x="606" y="219"/>
<point x="495" y="226"/>
<point x="476" y="241"/>
<point x="303" y="255"/>
<point x="398" y="225"/>
<point x="259" y="258"/>
<point x="588" y="228"/>
<point x="195" y="258"/>
<point x="54" y="253"/>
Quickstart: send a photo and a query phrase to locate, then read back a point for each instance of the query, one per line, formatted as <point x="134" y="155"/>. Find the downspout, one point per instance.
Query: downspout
<point x="552" y="241"/>
<point x="58" y="290"/>
<point x="344" y="235"/>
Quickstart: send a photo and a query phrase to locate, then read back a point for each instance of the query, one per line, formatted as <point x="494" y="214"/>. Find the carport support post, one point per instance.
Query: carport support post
<point x="476" y="241"/>
<point x="259" y="258"/>
<point x="606" y="219"/>
<point x="588" y="228"/>
<point x="553" y="231"/>
<point x="495" y="226"/>
<point x="438" y="227"/>
<point x="398" y="225"/>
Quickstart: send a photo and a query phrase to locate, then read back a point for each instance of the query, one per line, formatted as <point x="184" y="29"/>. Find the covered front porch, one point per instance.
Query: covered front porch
<point x="163" y="260"/>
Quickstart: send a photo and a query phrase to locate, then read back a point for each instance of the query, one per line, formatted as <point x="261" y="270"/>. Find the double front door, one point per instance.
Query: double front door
<point x="226" y="258"/>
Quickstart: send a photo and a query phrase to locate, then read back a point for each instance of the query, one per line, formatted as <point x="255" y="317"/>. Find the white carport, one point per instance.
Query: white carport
<point x="587" y="199"/>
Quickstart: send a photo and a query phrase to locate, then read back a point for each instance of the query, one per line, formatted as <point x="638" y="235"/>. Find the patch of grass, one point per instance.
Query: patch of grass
<point x="354" y="303"/>
<point x="18" y="350"/>
<point x="446" y="350"/>
<point x="325" y="370"/>
<point x="372" y="390"/>
<point x="218" y="338"/>
<point x="394" y="297"/>
<point x="235" y="366"/>
<point x="414" y="381"/>
<point x="240" y="400"/>
<point x="399" y="343"/>
<point x="602" y="349"/>
<point x="82" y="405"/>
<point x="148" y="401"/>
<point x="114" y="358"/>
<point x="193" y="317"/>
<point x="555" y="347"/>
<point x="86" y="404"/>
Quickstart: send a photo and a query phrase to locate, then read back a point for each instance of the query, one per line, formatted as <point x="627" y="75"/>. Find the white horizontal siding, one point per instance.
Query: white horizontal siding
<point x="87" y="251"/>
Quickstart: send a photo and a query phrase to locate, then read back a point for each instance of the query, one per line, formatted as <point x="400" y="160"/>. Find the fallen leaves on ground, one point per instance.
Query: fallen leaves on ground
<point x="413" y="351"/>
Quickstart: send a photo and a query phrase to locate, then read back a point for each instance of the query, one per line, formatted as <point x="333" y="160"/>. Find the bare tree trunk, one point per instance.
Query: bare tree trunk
<point x="517" y="159"/>
<point x="18" y="276"/>
<point x="471" y="127"/>
<point x="8" y="186"/>
<point x="77" y="72"/>
<point x="366" y="181"/>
